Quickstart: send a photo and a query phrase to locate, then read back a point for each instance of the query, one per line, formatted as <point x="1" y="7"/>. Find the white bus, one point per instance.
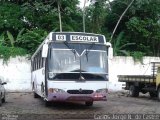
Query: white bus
<point x="71" y="66"/>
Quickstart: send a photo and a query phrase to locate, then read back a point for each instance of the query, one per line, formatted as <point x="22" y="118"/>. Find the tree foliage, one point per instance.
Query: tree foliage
<point x="140" y="25"/>
<point x="24" y="24"/>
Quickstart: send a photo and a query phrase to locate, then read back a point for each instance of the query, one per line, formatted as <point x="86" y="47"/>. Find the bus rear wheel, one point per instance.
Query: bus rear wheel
<point x="34" y="93"/>
<point x="89" y="103"/>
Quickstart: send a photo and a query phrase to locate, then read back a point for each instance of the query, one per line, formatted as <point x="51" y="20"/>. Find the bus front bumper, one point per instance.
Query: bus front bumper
<point x="77" y="97"/>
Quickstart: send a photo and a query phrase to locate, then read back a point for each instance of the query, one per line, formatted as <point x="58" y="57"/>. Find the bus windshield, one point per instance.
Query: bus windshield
<point x="76" y="58"/>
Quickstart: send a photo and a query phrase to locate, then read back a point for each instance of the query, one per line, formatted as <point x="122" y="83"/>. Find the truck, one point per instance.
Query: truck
<point x="143" y="83"/>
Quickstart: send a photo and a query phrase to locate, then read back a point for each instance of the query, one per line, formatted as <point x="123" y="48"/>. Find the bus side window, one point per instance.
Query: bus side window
<point x="39" y="60"/>
<point x="36" y="62"/>
<point x="31" y="65"/>
<point x="42" y="62"/>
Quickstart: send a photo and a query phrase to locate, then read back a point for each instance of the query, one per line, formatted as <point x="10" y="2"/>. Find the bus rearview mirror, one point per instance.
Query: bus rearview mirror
<point x="45" y="50"/>
<point x="110" y="52"/>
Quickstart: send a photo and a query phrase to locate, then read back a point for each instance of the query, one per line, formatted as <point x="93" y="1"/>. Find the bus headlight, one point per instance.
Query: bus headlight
<point x="55" y="90"/>
<point x="51" y="75"/>
<point x="105" y="90"/>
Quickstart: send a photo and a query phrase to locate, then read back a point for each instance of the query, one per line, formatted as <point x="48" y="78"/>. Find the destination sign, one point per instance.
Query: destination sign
<point x="61" y="37"/>
<point x="78" y="37"/>
<point x="81" y="38"/>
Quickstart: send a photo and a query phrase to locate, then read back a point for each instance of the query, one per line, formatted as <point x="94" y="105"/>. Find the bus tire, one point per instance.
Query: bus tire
<point x="158" y="94"/>
<point x="36" y="95"/>
<point x="133" y="91"/>
<point x="47" y="103"/>
<point x="153" y="94"/>
<point x="89" y="103"/>
<point x="4" y="98"/>
<point x="1" y="99"/>
<point x="42" y="90"/>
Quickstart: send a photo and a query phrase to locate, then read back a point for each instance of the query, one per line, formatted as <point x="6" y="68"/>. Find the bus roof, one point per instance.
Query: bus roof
<point x="79" y="37"/>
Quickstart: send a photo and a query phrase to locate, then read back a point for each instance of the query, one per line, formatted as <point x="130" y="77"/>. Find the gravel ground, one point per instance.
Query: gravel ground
<point x="20" y="106"/>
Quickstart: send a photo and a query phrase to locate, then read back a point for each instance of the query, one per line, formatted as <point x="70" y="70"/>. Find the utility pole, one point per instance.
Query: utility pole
<point x="120" y="20"/>
<point x="84" y="27"/>
<point x="59" y="14"/>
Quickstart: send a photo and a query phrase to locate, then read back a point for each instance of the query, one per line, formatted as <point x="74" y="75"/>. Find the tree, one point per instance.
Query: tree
<point x="140" y="24"/>
<point x="95" y="16"/>
<point x="37" y="17"/>
<point x="10" y="17"/>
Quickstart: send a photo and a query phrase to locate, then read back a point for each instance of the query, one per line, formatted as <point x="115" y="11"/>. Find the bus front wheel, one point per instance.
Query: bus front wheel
<point x="0" y="99"/>
<point x="36" y="95"/>
<point x="47" y="103"/>
<point x="89" y="103"/>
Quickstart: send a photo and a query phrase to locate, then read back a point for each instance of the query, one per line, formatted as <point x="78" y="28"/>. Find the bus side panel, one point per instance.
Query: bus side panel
<point x="39" y="81"/>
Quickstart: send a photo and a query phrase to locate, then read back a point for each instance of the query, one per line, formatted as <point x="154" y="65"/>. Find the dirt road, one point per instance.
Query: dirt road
<point x="20" y="105"/>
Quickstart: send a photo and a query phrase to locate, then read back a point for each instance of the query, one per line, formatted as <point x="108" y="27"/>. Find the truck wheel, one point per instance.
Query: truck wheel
<point x="152" y="94"/>
<point x="133" y="91"/>
<point x="144" y="92"/>
<point x="89" y="103"/>
<point x="158" y="94"/>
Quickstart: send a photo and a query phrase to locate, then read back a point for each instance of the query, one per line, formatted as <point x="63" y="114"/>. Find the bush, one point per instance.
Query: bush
<point x="32" y="39"/>
<point x="137" y="55"/>
<point x="7" y="52"/>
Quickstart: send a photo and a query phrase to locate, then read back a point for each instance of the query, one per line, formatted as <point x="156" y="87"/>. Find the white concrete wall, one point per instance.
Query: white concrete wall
<point x="18" y="77"/>
<point x="16" y="73"/>
<point x="127" y="66"/>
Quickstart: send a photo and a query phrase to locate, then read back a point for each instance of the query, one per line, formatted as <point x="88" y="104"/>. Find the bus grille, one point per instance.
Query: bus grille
<point x="80" y="91"/>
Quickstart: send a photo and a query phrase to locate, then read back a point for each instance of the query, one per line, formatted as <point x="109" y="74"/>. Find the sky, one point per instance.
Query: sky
<point x="82" y="3"/>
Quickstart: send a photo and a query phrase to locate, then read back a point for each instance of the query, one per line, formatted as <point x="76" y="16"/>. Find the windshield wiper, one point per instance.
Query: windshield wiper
<point x="87" y="50"/>
<point x="81" y="76"/>
<point x="73" y="50"/>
